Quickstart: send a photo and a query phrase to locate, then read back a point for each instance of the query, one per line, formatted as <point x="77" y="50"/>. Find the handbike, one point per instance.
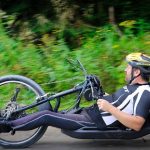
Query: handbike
<point x="21" y="96"/>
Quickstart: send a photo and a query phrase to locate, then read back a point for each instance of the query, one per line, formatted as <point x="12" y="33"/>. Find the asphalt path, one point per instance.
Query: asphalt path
<point x="53" y="139"/>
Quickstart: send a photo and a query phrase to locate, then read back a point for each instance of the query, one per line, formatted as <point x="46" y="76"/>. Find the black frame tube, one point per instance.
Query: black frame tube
<point x="58" y="95"/>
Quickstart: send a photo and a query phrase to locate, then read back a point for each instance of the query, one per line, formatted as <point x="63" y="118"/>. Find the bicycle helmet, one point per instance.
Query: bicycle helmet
<point x="140" y="61"/>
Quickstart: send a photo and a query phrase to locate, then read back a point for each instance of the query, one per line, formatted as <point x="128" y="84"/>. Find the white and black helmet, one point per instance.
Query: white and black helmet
<point x="139" y="60"/>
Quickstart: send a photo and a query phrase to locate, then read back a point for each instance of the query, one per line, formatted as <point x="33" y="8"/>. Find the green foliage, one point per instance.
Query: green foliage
<point x="101" y="51"/>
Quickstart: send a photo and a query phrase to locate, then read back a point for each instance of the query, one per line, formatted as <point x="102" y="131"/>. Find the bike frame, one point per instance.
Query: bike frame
<point x="44" y="98"/>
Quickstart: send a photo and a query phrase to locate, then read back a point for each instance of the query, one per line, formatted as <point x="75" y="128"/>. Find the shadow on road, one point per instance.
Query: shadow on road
<point x="55" y="140"/>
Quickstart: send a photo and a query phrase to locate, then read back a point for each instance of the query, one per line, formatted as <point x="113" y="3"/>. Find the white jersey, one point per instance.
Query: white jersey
<point x="132" y="99"/>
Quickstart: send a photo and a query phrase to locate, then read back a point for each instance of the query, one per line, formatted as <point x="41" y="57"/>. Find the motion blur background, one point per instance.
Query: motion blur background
<point x="37" y="36"/>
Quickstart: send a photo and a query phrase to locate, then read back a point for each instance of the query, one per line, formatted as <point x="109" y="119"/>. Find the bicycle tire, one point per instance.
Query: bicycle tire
<point x="37" y="90"/>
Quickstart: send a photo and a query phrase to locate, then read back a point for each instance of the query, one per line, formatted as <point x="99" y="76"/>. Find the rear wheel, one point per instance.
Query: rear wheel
<point x="28" y="92"/>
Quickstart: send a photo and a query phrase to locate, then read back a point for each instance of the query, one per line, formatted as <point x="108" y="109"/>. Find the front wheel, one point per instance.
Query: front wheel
<point x="28" y="92"/>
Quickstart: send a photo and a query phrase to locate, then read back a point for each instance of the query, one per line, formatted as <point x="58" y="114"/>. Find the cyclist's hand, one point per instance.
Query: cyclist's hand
<point x="104" y="105"/>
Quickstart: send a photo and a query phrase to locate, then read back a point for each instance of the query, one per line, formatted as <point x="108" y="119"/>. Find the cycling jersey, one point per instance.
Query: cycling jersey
<point x="132" y="99"/>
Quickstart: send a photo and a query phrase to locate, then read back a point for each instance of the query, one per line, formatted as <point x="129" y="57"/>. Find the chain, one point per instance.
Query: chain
<point x="67" y="80"/>
<point x="52" y="93"/>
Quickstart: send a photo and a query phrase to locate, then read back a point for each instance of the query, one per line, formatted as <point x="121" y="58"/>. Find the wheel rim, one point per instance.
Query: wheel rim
<point x="26" y="96"/>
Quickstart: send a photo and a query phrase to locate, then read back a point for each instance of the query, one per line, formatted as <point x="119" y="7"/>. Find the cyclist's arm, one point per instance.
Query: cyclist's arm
<point x="130" y="121"/>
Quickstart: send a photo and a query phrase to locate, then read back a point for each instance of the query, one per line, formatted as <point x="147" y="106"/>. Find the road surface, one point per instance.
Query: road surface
<point x="55" y="140"/>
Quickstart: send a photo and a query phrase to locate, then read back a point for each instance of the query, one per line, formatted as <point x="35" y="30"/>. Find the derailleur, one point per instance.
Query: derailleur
<point x="12" y="106"/>
<point x="7" y="112"/>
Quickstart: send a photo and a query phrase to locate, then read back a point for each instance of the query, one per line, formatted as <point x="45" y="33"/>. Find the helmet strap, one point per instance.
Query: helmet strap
<point x="133" y="77"/>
